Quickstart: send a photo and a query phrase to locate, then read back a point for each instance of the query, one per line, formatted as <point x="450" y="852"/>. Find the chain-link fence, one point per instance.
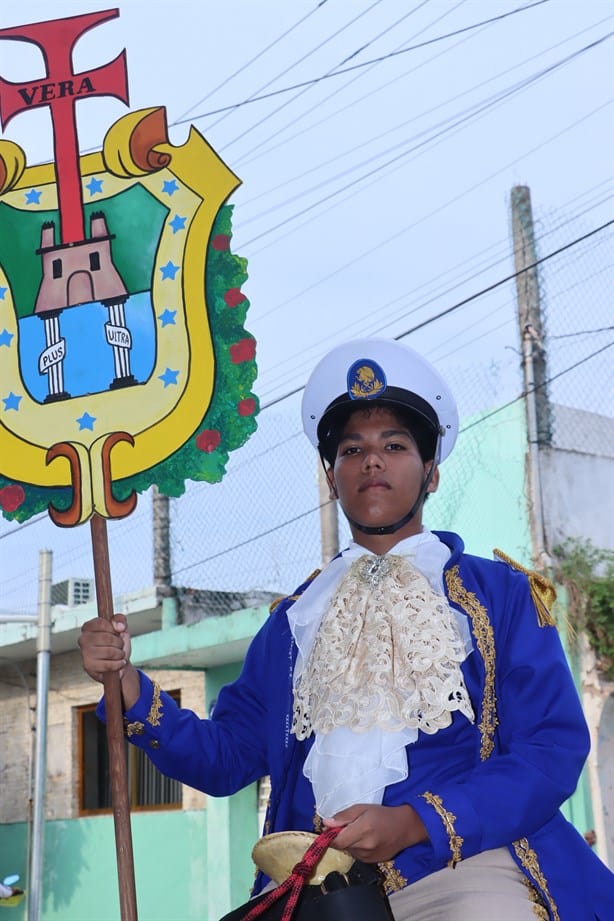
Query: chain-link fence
<point x="576" y="288"/>
<point x="257" y="533"/>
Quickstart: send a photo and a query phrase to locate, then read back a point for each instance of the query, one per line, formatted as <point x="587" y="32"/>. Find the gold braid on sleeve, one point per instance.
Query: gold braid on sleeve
<point x="154" y="716"/>
<point x="448" y="819"/>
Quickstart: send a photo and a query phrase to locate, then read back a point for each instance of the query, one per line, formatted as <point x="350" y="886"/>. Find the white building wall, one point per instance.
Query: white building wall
<point x="578" y="479"/>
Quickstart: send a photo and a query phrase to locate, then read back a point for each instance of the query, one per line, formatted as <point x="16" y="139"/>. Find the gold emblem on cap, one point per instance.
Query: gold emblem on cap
<point x="366" y="383"/>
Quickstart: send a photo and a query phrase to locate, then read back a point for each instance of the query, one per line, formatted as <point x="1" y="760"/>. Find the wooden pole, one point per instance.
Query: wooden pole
<point x="115" y="731"/>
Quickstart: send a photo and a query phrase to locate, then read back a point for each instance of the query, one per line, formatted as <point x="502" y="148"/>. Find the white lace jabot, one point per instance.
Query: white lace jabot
<point x="379" y="653"/>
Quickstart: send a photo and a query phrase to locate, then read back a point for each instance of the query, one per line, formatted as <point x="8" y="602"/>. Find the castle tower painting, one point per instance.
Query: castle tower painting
<point x="76" y="274"/>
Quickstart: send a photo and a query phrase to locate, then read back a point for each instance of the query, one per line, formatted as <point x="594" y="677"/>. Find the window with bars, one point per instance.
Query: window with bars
<point x="148" y="788"/>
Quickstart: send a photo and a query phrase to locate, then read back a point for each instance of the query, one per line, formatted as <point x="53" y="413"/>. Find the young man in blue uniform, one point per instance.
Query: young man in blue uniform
<point x="428" y="709"/>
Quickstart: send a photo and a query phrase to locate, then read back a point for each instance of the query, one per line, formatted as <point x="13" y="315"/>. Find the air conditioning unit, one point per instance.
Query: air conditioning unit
<point x="72" y="592"/>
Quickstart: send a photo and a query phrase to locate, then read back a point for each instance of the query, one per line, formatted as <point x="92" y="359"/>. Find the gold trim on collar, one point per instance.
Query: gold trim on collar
<point x="529" y="860"/>
<point x="448" y="819"/>
<point x="154" y="716"/>
<point x="485" y="639"/>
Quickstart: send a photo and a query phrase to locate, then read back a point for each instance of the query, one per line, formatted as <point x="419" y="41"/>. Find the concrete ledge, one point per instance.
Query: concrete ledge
<point x="205" y="644"/>
<point x="215" y="640"/>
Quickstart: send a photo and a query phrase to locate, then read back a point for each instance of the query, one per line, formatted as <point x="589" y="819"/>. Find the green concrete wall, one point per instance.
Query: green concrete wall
<point x="80" y="870"/>
<point x="481" y="493"/>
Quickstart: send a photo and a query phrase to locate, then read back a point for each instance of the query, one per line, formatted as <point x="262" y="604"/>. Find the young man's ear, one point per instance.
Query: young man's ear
<point x="434" y="484"/>
<point x="332" y="489"/>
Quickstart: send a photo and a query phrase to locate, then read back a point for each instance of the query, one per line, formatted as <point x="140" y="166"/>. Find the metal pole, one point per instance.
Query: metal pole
<point x="35" y="881"/>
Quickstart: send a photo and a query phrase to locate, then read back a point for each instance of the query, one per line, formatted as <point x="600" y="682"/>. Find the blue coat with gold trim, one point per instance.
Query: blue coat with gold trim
<point x="499" y="782"/>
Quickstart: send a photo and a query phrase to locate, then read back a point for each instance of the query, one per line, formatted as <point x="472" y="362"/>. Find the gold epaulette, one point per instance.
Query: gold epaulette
<point x="543" y="591"/>
<point x="281" y="598"/>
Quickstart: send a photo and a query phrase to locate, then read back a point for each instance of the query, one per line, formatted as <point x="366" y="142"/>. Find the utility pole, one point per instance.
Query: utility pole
<point x="329" y="523"/>
<point x="534" y="366"/>
<point x="161" y="541"/>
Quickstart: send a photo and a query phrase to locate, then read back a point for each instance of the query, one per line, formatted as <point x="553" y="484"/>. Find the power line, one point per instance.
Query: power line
<point x="254" y="97"/>
<point x="502" y="281"/>
<point x="483" y="107"/>
<point x="461" y="345"/>
<point x="441" y="129"/>
<point x="471" y="425"/>
<point x="248" y="540"/>
<point x="384" y="57"/>
<point x="249" y="157"/>
<point x="469" y="299"/>
<point x="26" y="524"/>
<point x="342" y="109"/>
<point x="252" y="60"/>
<point x="389" y="239"/>
<point x="400" y="125"/>
<point x="583" y="332"/>
<point x="501" y="255"/>
<point x="537" y="387"/>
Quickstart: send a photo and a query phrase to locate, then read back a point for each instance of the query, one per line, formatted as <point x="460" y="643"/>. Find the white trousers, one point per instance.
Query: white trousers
<point x="481" y="888"/>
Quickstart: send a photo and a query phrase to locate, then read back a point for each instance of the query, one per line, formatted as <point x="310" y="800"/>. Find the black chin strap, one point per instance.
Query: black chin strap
<point x="392" y="528"/>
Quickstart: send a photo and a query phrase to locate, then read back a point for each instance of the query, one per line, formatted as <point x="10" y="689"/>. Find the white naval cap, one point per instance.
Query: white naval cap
<point x="381" y="370"/>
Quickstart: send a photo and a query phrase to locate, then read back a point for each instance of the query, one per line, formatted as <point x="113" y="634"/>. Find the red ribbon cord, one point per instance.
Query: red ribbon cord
<point x="297" y="879"/>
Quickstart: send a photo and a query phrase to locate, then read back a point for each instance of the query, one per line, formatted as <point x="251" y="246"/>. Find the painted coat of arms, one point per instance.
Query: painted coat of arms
<point x="124" y="360"/>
